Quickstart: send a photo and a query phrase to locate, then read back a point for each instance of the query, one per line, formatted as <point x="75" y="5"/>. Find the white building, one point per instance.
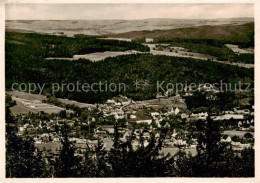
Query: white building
<point x="132" y="116"/>
<point x="155" y="114"/>
<point x="228" y="139"/>
<point x="228" y="117"/>
<point x="148" y="121"/>
<point x="148" y="40"/>
<point x="177" y="110"/>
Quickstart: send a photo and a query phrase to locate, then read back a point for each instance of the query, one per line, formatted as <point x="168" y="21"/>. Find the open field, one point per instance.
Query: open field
<point x="238" y="50"/>
<point x="177" y="52"/>
<point x="79" y="104"/>
<point x="25" y="106"/>
<point x="96" y="56"/>
<point x="27" y="103"/>
<point x="25" y="95"/>
<point x="171" y="102"/>
<point x="33" y="103"/>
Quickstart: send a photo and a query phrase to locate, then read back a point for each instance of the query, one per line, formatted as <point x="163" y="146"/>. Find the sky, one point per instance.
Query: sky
<point x="36" y="11"/>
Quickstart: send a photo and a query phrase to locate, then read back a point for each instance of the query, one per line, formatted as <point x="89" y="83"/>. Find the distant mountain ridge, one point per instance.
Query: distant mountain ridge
<point x="101" y="27"/>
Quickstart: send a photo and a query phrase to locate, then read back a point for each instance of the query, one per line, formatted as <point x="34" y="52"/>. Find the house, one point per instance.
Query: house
<point x="229" y="112"/>
<point x="81" y="141"/>
<point x="148" y="121"/>
<point x="203" y="115"/>
<point x="159" y="95"/>
<point x="194" y="115"/>
<point x="101" y="134"/>
<point x="182" y="100"/>
<point x="241" y="111"/>
<point x="245" y="129"/>
<point x="126" y="103"/>
<point x="83" y="148"/>
<point x="169" y="92"/>
<point x="132" y="116"/>
<point x="157" y="135"/>
<point x="206" y="87"/>
<point x="148" y="40"/>
<point x="226" y="138"/>
<point x="167" y="125"/>
<point x="118" y="104"/>
<point x="118" y="115"/>
<point x="167" y="142"/>
<point x="245" y="145"/>
<point x="176" y="111"/>
<point x="174" y="134"/>
<point x="45" y="137"/>
<point x="73" y="139"/>
<point x="236" y="143"/>
<point x="171" y="111"/>
<point x="184" y="116"/>
<point x="108" y="128"/>
<point x="228" y="117"/>
<point x="56" y="139"/>
<point x="20" y="131"/>
<point x="146" y="143"/>
<point x="157" y="122"/>
<point x="155" y="114"/>
<point x="126" y="134"/>
<point x="179" y="142"/>
<point x="110" y="102"/>
<point x="188" y="94"/>
<point x="193" y="146"/>
<point x="146" y="135"/>
<point x="38" y="142"/>
<point x="135" y="144"/>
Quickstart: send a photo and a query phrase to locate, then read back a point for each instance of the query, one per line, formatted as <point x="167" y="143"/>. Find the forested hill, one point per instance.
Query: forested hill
<point x="61" y="46"/>
<point x="227" y="33"/>
<point x="25" y="62"/>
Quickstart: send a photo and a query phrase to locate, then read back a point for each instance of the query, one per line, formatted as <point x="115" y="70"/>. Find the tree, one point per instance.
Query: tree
<point x="143" y="161"/>
<point x="209" y="137"/>
<point x="102" y="168"/>
<point x="22" y="158"/>
<point x="248" y="135"/>
<point x="236" y="139"/>
<point x="214" y="159"/>
<point x="115" y="156"/>
<point x="67" y="164"/>
<point x="63" y="114"/>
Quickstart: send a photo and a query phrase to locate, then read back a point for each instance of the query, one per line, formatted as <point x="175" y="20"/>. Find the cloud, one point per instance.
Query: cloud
<point x="126" y="11"/>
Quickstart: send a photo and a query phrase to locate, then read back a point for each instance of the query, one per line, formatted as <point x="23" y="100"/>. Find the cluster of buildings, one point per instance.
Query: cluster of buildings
<point x="138" y="118"/>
